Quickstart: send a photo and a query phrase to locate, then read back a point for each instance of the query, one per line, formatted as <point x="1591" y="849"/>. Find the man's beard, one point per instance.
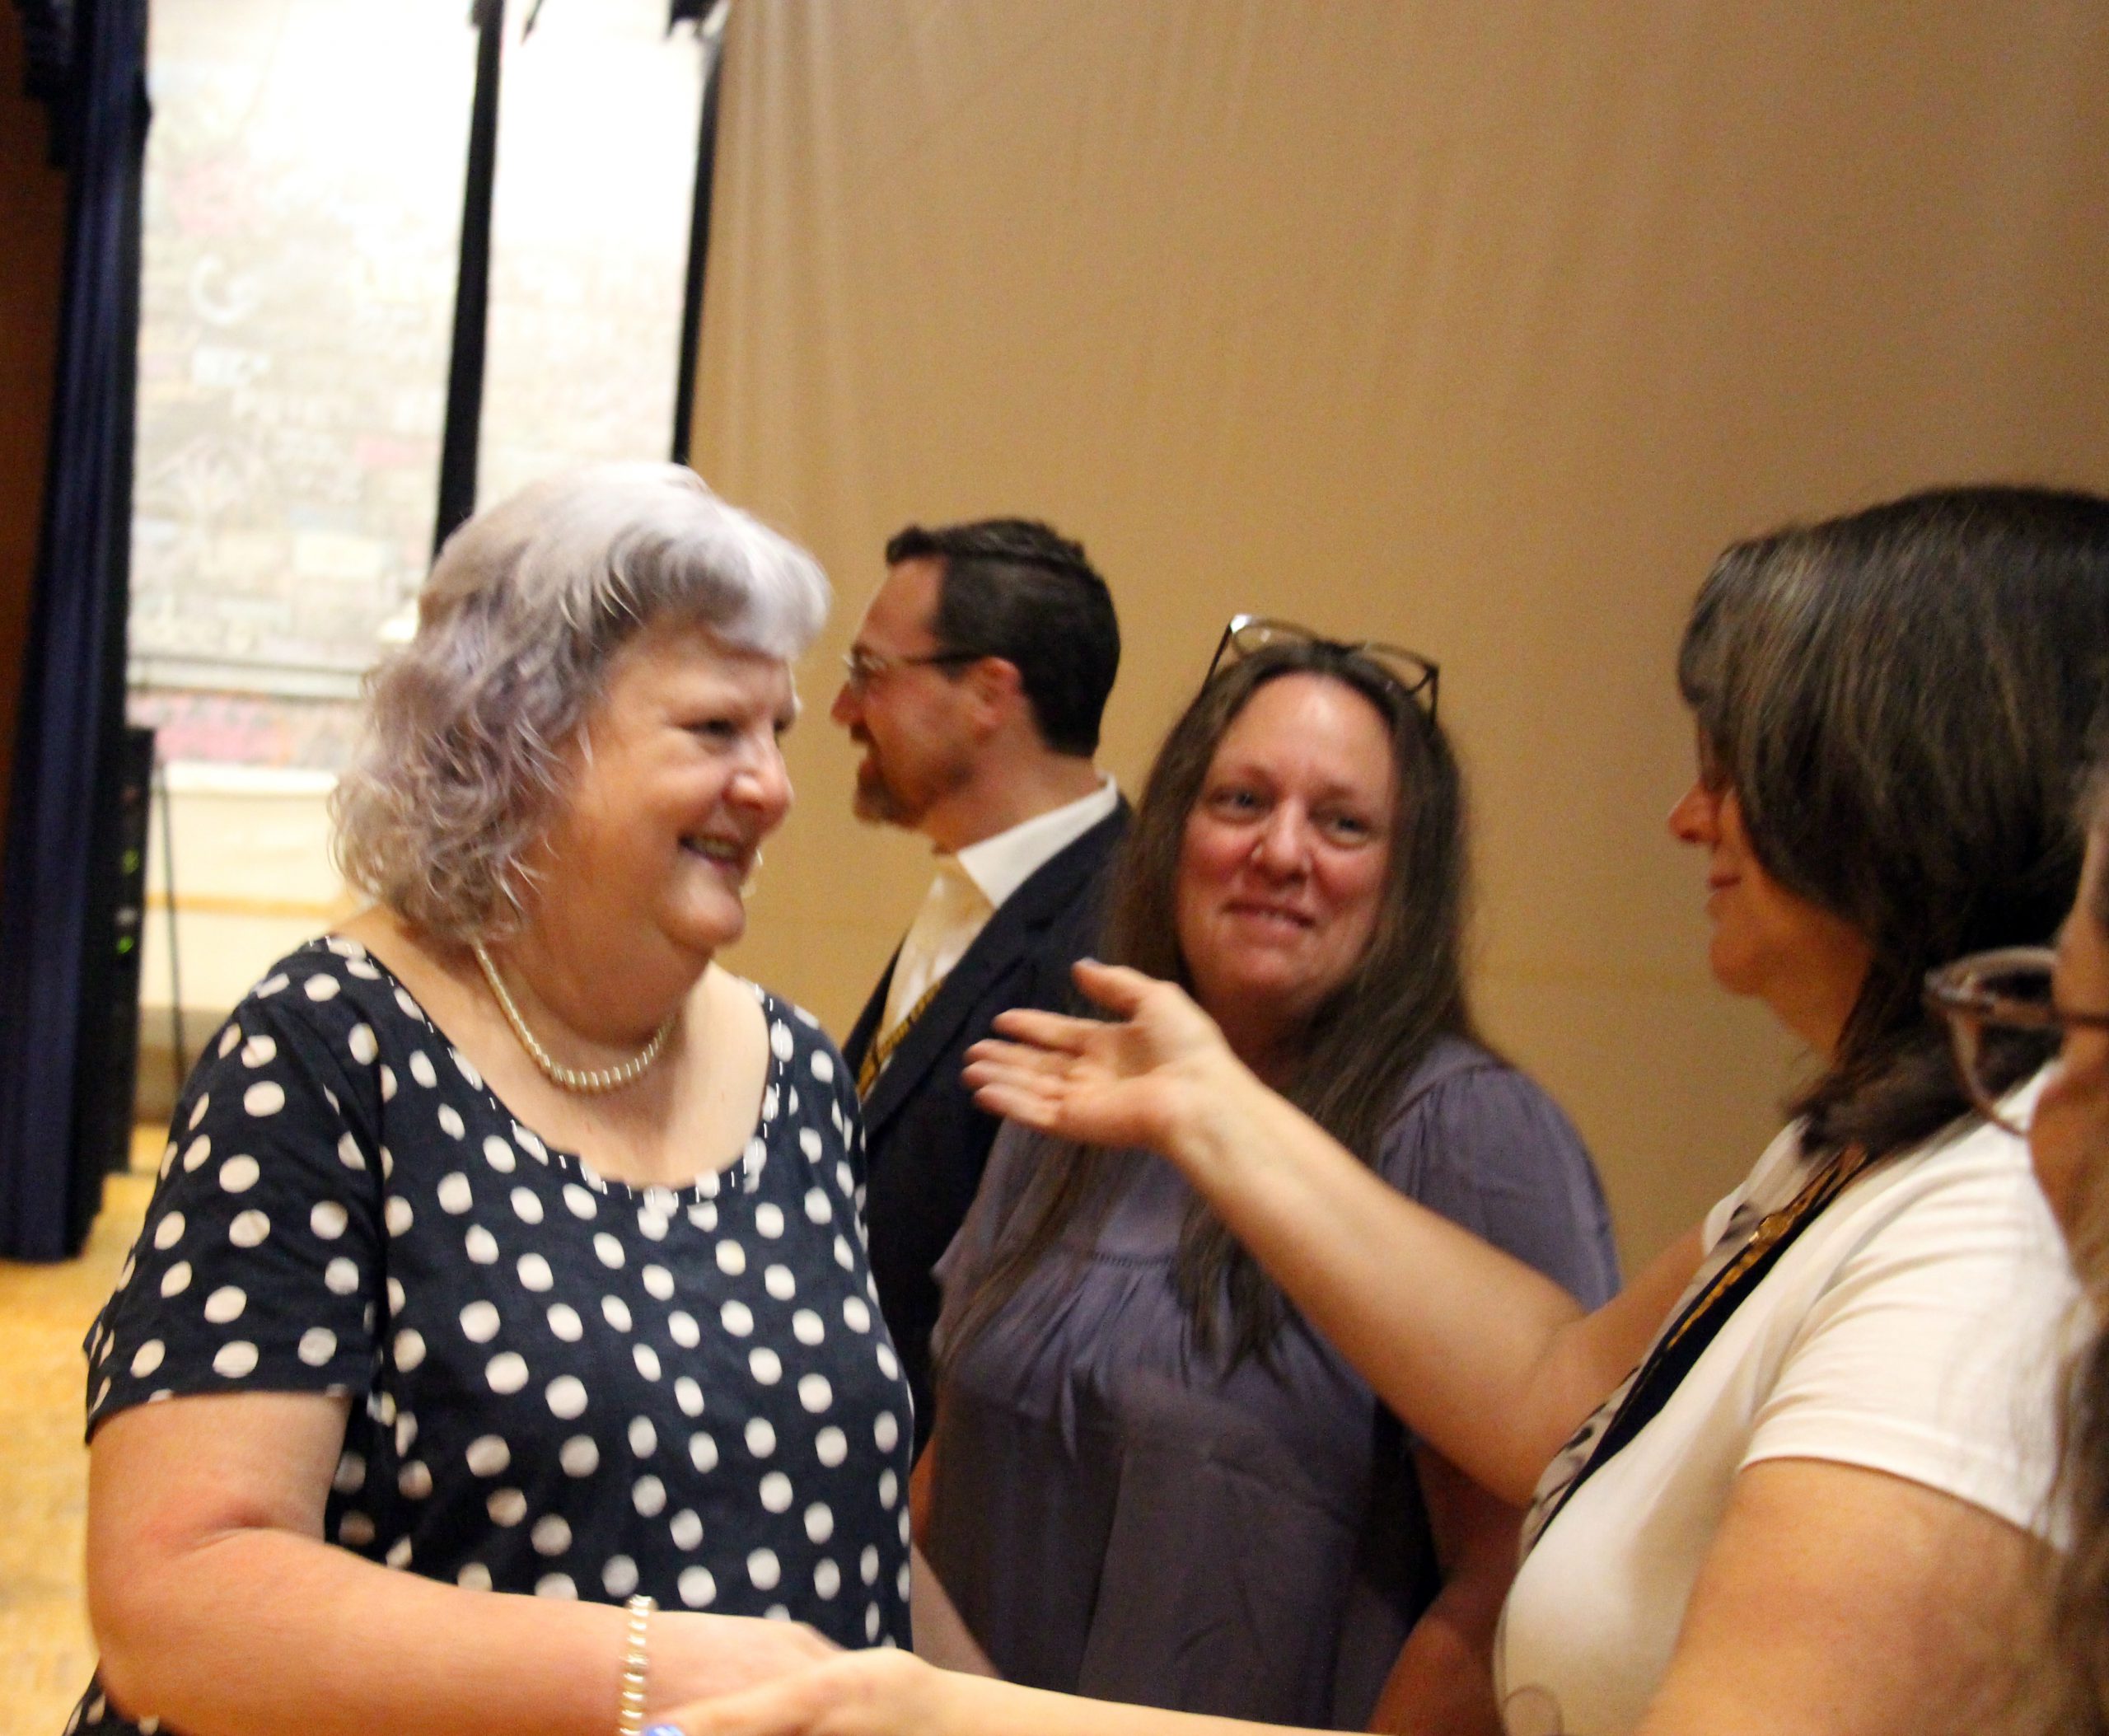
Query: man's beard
<point x="876" y="802"/>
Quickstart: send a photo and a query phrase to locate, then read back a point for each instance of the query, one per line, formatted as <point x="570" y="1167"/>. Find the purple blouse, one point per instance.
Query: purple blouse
<point x="1117" y="1515"/>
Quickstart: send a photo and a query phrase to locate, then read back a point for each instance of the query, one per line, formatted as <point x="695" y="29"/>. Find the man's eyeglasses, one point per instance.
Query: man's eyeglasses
<point x="862" y="667"/>
<point x="2003" y="1022"/>
<point x="1246" y="634"/>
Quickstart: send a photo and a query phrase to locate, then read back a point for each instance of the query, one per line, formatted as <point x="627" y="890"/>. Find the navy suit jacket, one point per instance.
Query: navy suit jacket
<point x="926" y="1143"/>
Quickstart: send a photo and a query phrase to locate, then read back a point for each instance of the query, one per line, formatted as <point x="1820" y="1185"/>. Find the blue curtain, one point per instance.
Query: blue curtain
<point x="58" y="898"/>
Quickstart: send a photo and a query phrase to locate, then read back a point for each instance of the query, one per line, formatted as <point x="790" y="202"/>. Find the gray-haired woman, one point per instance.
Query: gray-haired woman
<point x="505" y="1261"/>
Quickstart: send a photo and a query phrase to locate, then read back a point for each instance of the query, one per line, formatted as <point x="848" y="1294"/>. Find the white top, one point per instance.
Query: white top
<point x="1916" y="1328"/>
<point x="970" y="887"/>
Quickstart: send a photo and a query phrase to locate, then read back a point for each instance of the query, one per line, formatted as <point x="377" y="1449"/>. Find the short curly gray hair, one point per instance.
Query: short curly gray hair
<point x="462" y="760"/>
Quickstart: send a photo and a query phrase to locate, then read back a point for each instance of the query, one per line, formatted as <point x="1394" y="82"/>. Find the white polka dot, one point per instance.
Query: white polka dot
<point x="643" y="1438"/>
<point x="351" y="1474"/>
<point x="551" y="1536"/>
<point x="410" y="1354"/>
<point x="780" y="1040"/>
<point x="776" y="1492"/>
<point x="525" y="1206"/>
<point x="685" y="1529"/>
<point x="341" y="1277"/>
<point x="530" y="1142"/>
<point x="888" y="1489"/>
<point x="176" y="1279"/>
<point x="271" y="985"/>
<point x="567" y="1396"/>
<point x="236" y="1359"/>
<point x="349" y="1154"/>
<point x="682" y="1329"/>
<point x="467" y="1070"/>
<point x="616" y="1313"/>
<point x="827" y="1577"/>
<point x="450" y="1122"/>
<point x="807" y="1328"/>
<point x="809" y="1142"/>
<point x="506" y="1507"/>
<point x="608" y="1251"/>
<point x="732" y="1258"/>
<point x="169" y="1231"/>
<point x="737" y="1318"/>
<point x="421" y="1068"/>
<point x="328" y="1220"/>
<point x="831" y="1445"/>
<point x="535" y="1273"/>
<point x="779" y="1283"/>
<point x="843" y="1257"/>
<point x="703" y="1452"/>
<point x="580" y="1456"/>
<point x="196" y="1153"/>
<point x="819" y="1523"/>
<point x="697" y="1588"/>
<point x="249" y="1229"/>
<point x="764" y="1569"/>
<point x="565" y="1323"/>
<point x="361" y="1044"/>
<point x="648" y="1495"/>
<point x="388" y="1095"/>
<point x="889" y="1364"/>
<point x="658" y="1283"/>
<point x="474" y="1576"/>
<point x="647" y="1360"/>
<point x="819" y="1208"/>
<point x="651" y="1226"/>
<point x="704" y="1217"/>
<point x="815" y="1393"/>
<point x="867" y="1565"/>
<point x="322" y="987"/>
<point x="225" y="1304"/>
<point x="266" y="1096"/>
<point x="499" y="1155"/>
<point x="765" y="1365"/>
<point x="397" y="1214"/>
<point x="454" y="1193"/>
<point x="845" y="1180"/>
<point x="579" y="1202"/>
<point x="355" y="1531"/>
<point x="618" y="1578"/>
<point x="415" y="1480"/>
<point x="689" y="1395"/>
<point x="769" y="1219"/>
<point x="228" y="1038"/>
<point x="507" y="1372"/>
<point x="479" y="1322"/>
<point x="761" y="1437"/>
<point x="487" y="1455"/>
<point x="148" y="1358"/>
<point x="482" y="1245"/>
<point x="406" y="1433"/>
<point x="855" y="1314"/>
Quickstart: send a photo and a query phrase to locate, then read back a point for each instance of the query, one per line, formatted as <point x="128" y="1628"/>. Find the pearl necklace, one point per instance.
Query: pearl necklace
<point x="588" y="1082"/>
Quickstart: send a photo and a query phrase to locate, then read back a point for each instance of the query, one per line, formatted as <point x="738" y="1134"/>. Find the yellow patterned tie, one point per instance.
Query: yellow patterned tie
<point x="881" y="1051"/>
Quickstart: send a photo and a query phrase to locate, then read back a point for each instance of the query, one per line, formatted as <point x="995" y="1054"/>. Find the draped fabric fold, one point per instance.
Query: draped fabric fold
<point x="58" y="896"/>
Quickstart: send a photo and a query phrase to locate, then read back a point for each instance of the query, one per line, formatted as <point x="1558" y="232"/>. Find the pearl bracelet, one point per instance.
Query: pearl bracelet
<point x="629" y="1715"/>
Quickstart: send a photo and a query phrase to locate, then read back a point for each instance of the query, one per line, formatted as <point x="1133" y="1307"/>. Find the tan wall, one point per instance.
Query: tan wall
<point x="33" y="223"/>
<point x="1478" y="327"/>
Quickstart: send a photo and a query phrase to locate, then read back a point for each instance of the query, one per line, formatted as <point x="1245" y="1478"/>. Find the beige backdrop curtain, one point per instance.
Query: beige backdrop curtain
<point x="1481" y="328"/>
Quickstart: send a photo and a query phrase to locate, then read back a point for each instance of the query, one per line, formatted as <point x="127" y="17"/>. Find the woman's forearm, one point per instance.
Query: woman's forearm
<point x="1486" y="1360"/>
<point x="258" y="1632"/>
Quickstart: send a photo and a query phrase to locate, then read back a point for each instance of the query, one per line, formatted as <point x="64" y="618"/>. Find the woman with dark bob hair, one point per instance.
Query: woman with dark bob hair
<point x="498" y="1348"/>
<point x="1119" y="1381"/>
<point x="1792" y="1477"/>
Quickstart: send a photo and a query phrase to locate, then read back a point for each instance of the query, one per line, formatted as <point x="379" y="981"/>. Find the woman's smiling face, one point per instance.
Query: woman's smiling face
<point x="1282" y="864"/>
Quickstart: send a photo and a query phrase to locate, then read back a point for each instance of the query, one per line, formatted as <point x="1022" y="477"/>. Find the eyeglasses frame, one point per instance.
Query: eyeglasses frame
<point x="860" y="668"/>
<point x="1951" y="996"/>
<point x="1375" y="651"/>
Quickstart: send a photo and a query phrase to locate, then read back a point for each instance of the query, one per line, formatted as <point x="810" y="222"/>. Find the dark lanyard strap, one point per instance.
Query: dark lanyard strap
<point x="1702" y="1318"/>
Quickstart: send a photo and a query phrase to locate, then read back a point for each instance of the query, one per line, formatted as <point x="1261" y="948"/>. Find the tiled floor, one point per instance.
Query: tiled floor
<point x="45" y="1656"/>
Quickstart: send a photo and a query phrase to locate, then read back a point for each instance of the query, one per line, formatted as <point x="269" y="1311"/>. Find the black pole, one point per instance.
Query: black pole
<point x="464" y="375"/>
<point x="706" y="169"/>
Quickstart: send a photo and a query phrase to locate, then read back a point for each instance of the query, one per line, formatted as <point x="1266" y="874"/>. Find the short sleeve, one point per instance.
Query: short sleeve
<point x="1933" y="1352"/>
<point x="261" y="1260"/>
<point x="1488" y="1149"/>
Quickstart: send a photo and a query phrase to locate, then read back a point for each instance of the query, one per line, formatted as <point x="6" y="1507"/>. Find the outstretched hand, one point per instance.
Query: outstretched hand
<point x="1143" y="1079"/>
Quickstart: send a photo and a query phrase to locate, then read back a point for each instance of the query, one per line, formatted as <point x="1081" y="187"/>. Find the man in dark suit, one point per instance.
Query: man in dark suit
<point x="975" y="685"/>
